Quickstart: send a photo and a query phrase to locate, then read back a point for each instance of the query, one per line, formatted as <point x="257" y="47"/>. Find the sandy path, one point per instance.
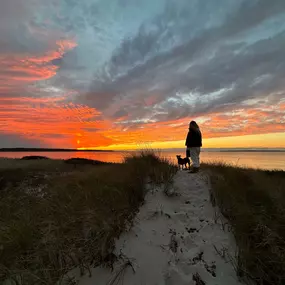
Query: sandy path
<point x="173" y="241"/>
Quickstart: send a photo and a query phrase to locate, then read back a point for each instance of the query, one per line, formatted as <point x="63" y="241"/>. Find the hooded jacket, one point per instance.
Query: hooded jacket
<point x="194" y="138"/>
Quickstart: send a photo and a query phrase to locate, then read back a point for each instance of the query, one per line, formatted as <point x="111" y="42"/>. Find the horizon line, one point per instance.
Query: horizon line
<point x="39" y="149"/>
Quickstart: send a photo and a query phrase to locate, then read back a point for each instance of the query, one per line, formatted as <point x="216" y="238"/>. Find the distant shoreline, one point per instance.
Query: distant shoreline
<point x="227" y="150"/>
<point x="230" y="150"/>
<point x="49" y="150"/>
<point x="162" y="150"/>
<point x="246" y="151"/>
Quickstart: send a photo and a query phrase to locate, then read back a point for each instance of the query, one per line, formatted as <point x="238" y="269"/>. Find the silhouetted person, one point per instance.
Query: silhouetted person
<point x="194" y="144"/>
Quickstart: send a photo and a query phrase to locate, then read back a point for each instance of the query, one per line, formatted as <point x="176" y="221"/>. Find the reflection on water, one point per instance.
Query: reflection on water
<point x="264" y="160"/>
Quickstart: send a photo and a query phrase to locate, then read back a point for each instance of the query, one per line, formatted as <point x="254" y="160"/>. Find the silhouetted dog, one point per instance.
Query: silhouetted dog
<point x="183" y="161"/>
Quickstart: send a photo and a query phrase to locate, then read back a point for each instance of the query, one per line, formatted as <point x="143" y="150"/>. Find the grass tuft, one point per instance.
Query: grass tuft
<point x="254" y="201"/>
<point x="55" y="219"/>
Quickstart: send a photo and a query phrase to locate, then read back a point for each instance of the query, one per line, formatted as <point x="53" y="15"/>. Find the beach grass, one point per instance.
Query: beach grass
<point x="253" y="201"/>
<point x="56" y="217"/>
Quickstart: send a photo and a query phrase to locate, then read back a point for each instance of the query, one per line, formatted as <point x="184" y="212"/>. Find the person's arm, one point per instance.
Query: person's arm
<point x="201" y="138"/>
<point x="187" y="139"/>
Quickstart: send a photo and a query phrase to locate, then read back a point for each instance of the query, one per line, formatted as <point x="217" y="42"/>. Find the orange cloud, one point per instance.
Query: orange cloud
<point x="240" y="122"/>
<point x="260" y="120"/>
<point x="59" y="124"/>
<point x="54" y="123"/>
<point x="19" y="69"/>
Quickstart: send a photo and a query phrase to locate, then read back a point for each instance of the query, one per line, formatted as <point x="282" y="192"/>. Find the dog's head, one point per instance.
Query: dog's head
<point x="178" y="156"/>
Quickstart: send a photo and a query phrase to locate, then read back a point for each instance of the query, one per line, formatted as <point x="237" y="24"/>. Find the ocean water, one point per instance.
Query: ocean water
<point x="256" y="159"/>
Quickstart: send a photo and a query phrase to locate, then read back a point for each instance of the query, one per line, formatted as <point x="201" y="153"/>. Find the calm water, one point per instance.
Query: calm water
<point x="264" y="160"/>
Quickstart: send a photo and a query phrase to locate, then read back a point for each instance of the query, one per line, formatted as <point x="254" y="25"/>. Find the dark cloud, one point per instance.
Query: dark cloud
<point x="120" y="114"/>
<point x="10" y="141"/>
<point x="220" y="58"/>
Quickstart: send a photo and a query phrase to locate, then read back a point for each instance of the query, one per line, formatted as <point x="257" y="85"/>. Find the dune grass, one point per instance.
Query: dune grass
<point x="253" y="201"/>
<point x="60" y="218"/>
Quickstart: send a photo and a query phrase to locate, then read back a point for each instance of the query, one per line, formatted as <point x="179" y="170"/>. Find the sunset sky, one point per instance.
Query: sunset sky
<point x="121" y="74"/>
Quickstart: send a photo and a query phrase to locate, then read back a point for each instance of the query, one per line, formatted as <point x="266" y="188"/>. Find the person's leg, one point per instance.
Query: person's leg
<point x="187" y="152"/>
<point x="195" y="157"/>
<point x="198" y="156"/>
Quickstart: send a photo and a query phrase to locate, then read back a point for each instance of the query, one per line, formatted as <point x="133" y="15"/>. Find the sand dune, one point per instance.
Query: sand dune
<point x="177" y="240"/>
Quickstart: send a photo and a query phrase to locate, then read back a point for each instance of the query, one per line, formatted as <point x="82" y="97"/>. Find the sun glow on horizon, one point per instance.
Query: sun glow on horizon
<point x="273" y="140"/>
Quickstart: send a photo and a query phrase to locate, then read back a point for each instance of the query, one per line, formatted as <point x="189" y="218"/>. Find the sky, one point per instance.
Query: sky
<point x="121" y="74"/>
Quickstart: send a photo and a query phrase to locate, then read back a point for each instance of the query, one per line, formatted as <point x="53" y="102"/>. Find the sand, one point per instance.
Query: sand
<point x="177" y="240"/>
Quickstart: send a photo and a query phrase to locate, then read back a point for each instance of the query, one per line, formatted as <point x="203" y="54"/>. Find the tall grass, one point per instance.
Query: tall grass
<point x="72" y="220"/>
<point x="254" y="203"/>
